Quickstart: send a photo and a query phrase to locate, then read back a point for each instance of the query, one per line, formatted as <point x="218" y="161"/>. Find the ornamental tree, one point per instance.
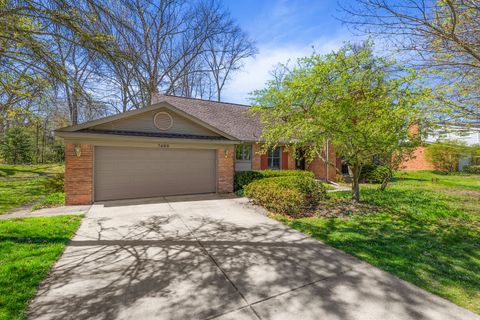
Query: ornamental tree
<point x="360" y="103"/>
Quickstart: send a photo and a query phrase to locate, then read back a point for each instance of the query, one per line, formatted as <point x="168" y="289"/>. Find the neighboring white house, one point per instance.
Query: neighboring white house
<point x="465" y="133"/>
<point x="468" y="133"/>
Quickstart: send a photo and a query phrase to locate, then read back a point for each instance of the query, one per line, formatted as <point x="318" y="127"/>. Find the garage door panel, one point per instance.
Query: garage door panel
<point x="125" y="173"/>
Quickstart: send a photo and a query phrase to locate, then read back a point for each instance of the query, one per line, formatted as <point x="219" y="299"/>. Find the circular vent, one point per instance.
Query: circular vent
<point x="163" y="121"/>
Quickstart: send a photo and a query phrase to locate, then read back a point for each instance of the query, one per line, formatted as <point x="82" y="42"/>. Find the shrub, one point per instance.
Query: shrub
<point x="445" y="155"/>
<point x="374" y="173"/>
<point x="474" y="169"/>
<point x="243" y="178"/>
<point x="290" y="194"/>
<point x="283" y="173"/>
<point x="54" y="183"/>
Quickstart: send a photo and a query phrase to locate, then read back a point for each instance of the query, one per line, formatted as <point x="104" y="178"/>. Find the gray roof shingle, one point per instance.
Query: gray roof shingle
<point x="233" y="119"/>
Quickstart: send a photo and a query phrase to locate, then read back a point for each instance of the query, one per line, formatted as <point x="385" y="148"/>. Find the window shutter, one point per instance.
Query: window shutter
<point x="284" y="159"/>
<point x="264" y="162"/>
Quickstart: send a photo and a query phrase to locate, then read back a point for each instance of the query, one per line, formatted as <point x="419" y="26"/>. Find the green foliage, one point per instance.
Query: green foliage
<point x="375" y="173"/>
<point x="242" y="178"/>
<point x="16" y="146"/>
<point x="426" y="231"/>
<point x="28" y="249"/>
<point x="54" y="183"/>
<point x="474" y="169"/>
<point x="56" y="199"/>
<point x="286" y="194"/>
<point x="360" y="103"/>
<point x="22" y="185"/>
<point x="445" y="155"/>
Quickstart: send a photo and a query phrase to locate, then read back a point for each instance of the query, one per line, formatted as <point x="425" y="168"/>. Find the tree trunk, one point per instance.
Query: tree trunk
<point x="386" y="180"/>
<point x="356" y="169"/>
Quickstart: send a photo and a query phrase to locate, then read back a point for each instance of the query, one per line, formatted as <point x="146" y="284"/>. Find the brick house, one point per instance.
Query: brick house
<point x="176" y="146"/>
<point x="465" y="133"/>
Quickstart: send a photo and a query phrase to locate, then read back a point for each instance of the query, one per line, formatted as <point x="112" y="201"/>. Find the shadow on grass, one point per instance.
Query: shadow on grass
<point x="34" y="240"/>
<point x="416" y="240"/>
<point x="25" y="171"/>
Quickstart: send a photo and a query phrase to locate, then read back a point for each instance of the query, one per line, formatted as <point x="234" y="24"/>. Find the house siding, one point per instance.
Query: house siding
<point x="144" y="123"/>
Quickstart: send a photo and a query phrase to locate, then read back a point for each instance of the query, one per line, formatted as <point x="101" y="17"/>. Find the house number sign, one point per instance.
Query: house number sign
<point x="164" y="145"/>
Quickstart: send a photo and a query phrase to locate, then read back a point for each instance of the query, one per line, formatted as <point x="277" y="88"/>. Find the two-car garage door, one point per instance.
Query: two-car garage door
<point x="126" y="173"/>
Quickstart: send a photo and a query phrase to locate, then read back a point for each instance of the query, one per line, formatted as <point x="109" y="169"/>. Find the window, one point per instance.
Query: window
<point x="274" y="158"/>
<point x="243" y="152"/>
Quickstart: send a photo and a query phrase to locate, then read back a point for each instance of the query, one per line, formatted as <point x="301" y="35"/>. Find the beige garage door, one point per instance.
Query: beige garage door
<point x="126" y="173"/>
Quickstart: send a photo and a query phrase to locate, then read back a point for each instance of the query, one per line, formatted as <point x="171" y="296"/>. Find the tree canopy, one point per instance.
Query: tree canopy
<point x="360" y="103"/>
<point x="440" y="37"/>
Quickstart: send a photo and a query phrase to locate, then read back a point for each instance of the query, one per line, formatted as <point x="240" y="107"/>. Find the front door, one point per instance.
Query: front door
<point x="300" y="160"/>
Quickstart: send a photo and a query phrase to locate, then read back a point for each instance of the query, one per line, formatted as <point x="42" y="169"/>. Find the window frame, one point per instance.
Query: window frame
<point x="271" y="158"/>
<point x="244" y="148"/>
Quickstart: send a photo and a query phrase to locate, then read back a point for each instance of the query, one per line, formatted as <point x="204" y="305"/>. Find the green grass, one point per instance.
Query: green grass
<point x="427" y="232"/>
<point x="21" y="185"/>
<point x="52" y="200"/>
<point x="28" y="249"/>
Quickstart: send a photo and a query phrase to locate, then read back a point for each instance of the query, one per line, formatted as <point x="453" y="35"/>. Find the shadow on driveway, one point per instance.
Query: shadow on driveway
<point x="217" y="259"/>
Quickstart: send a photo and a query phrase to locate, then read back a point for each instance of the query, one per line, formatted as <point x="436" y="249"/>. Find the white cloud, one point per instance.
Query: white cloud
<point x="257" y="70"/>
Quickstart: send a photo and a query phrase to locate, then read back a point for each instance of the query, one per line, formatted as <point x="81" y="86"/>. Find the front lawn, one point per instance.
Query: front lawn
<point x="28" y="249"/>
<point x="425" y="229"/>
<point x="22" y="185"/>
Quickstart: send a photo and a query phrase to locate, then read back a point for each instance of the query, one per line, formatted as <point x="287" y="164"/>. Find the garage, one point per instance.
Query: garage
<point x="131" y="172"/>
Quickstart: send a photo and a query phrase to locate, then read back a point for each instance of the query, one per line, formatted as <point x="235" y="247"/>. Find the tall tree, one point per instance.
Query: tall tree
<point x="440" y="36"/>
<point x="360" y="103"/>
<point x="226" y="53"/>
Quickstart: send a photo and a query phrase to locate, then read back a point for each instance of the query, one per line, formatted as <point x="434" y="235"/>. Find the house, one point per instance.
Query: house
<point x="176" y="146"/>
<point x="465" y="133"/>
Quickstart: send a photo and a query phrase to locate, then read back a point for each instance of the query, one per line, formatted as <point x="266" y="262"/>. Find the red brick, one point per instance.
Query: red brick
<point x="78" y="174"/>
<point x="256" y="157"/>
<point x="417" y="161"/>
<point x="318" y="167"/>
<point x="225" y="169"/>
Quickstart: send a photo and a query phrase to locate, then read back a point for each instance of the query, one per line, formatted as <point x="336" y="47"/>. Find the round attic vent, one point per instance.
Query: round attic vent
<point x="163" y="120"/>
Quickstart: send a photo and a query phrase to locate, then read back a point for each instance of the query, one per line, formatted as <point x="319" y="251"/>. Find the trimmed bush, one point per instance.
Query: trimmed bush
<point x="474" y="169"/>
<point x="286" y="194"/>
<point x="243" y="178"/>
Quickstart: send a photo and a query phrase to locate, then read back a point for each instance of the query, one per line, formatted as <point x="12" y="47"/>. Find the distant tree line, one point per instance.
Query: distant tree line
<point x="65" y="62"/>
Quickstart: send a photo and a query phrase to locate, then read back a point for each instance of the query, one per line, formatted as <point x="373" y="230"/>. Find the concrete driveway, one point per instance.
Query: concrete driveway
<point x="206" y="258"/>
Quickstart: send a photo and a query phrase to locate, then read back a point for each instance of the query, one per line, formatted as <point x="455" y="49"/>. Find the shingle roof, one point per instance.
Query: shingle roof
<point x="233" y="119"/>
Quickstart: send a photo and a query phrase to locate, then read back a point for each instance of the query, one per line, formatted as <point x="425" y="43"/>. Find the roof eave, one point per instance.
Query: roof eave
<point x="83" y="136"/>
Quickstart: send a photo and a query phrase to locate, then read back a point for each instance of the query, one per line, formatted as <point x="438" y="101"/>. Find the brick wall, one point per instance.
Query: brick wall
<point x="418" y="161"/>
<point x="225" y="169"/>
<point x="317" y="166"/>
<point x="256" y="157"/>
<point x="78" y="174"/>
<point x="290" y="159"/>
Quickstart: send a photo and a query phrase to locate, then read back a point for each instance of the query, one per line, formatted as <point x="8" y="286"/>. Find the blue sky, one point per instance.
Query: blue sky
<point x="282" y="30"/>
